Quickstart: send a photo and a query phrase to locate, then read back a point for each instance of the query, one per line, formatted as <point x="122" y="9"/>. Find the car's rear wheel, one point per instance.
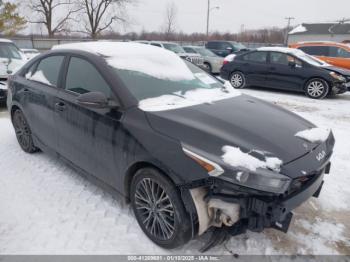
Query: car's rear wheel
<point x="316" y="88"/>
<point x="23" y="133"/>
<point x="237" y="80"/>
<point x="159" y="209"/>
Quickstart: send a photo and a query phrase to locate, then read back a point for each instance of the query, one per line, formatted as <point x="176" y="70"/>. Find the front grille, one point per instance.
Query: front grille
<point x="197" y="60"/>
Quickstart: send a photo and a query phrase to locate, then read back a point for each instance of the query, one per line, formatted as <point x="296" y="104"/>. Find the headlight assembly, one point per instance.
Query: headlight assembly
<point x="337" y="76"/>
<point x="261" y="179"/>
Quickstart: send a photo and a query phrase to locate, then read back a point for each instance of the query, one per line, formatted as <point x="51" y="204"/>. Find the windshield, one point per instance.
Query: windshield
<point x="311" y="60"/>
<point x="205" y="52"/>
<point x="155" y="94"/>
<point x="9" y="51"/>
<point x="175" y="48"/>
<point x="239" y="46"/>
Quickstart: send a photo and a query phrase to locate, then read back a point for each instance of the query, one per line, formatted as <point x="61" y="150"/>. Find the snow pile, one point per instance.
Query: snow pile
<point x="230" y="58"/>
<point x="236" y="158"/>
<point x="314" y="135"/>
<point x="39" y="76"/>
<point x="150" y="60"/>
<point x="190" y="98"/>
<point x="298" y="29"/>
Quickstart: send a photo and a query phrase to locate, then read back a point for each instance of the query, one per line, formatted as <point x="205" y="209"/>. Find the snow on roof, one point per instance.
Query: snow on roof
<point x="236" y="158"/>
<point x="286" y="50"/>
<point x="314" y="135"/>
<point x="4" y="40"/>
<point x="298" y="29"/>
<point x="147" y="59"/>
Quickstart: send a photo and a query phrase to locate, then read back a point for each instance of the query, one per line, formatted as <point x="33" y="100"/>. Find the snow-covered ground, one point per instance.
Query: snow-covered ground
<point x="47" y="208"/>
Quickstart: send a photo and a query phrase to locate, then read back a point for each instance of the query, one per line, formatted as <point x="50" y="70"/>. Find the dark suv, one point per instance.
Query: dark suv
<point x="224" y="48"/>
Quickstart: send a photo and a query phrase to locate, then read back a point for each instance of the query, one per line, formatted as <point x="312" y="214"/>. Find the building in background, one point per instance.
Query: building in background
<point x="337" y="32"/>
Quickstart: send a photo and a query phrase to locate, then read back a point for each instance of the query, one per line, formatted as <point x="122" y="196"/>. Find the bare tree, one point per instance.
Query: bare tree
<point x="101" y="14"/>
<point x="48" y="10"/>
<point x="170" y="20"/>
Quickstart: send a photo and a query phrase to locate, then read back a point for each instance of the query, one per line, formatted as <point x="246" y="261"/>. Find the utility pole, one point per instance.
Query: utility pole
<point x="288" y="27"/>
<point x="208" y="14"/>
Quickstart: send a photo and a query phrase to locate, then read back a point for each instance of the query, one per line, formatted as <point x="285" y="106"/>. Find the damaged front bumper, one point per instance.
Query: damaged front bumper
<point x="236" y="209"/>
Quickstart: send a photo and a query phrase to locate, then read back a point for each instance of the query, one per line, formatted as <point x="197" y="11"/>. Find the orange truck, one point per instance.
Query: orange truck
<point x="333" y="53"/>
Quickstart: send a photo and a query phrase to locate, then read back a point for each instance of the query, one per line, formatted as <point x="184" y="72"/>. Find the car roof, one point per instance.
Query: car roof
<point x="322" y="43"/>
<point x="4" y="40"/>
<point x="286" y="50"/>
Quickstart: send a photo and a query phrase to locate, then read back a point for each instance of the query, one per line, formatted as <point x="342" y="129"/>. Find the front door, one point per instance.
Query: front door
<point x="88" y="137"/>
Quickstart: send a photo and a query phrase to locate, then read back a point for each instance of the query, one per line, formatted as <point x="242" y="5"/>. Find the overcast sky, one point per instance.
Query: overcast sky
<point x="231" y="17"/>
<point x="149" y="14"/>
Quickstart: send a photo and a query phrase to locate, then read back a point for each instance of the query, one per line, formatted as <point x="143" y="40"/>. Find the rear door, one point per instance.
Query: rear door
<point x="88" y="137"/>
<point x="40" y="88"/>
<point x="254" y="66"/>
<point x="281" y="74"/>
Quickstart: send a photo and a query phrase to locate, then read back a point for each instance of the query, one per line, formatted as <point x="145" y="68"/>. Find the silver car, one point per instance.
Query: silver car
<point x="212" y="62"/>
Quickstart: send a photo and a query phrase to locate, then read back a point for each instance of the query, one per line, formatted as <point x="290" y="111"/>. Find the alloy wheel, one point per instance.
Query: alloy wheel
<point x="155" y="209"/>
<point x="237" y="80"/>
<point x="316" y="89"/>
<point x="22" y="130"/>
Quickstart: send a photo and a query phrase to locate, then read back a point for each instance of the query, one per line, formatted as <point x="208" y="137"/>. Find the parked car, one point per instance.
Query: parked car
<point x="286" y="68"/>
<point x="212" y="62"/>
<point x="224" y="48"/>
<point x="117" y="112"/>
<point x="177" y="49"/>
<point x="30" y="52"/>
<point x="333" y="53"/>
<point x="11" y="59"/>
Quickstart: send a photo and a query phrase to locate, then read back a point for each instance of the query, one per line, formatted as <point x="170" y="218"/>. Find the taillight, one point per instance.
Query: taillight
<point x="225" y="62"/>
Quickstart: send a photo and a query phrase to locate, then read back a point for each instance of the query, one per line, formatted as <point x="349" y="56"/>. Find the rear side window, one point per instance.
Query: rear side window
<point x="316" y="50"/>
<point x="257" y="57"/>
<point x="155" y="44"/>
<point x="47" y="71"/>
<point x="83" y="77"/>
<point x="338" y="52"/>
<point x="213" y="45"/>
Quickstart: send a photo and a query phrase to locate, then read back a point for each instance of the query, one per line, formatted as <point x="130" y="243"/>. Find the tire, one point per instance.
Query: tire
<point x="237" y="80"/>
<point x="208" y="68"/>
<point x="23" y="133"/>
<point x="166" y="224"/>
<point x="317" y="88"/>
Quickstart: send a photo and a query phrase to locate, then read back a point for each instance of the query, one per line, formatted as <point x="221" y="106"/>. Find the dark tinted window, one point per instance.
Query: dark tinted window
<point x="83" y="77"/>
<point x="48" y="70"/>
<point x="155" y="44"/>
<point x="217" y="45"/>
<point x="316" y="50"/>
<point x="338" y="52"/>
<point x="258" y="57"/>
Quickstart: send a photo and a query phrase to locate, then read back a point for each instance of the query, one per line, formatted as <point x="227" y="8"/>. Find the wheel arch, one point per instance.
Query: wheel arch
<point x="132" y="170"/>
<point x="317" y="77"/>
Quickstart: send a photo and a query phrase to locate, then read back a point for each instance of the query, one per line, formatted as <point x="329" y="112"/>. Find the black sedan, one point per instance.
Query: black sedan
<point x="170" y="138"/>
<point x="286" y="69"/>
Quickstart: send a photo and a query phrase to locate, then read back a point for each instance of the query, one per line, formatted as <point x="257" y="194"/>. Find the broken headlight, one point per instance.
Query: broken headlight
<point x="261" y="179"/>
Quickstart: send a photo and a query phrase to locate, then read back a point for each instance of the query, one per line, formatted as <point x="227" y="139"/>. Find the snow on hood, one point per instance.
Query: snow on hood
<point x="12" y="65"/>
<point x="190" y="98"/>
<point x="233" y="156"/>
<point x="150" y="60"/>
<point x="314" y="135"/>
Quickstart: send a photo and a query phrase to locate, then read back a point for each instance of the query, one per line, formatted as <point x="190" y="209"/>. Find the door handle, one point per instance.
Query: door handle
<point x="60" y="106"/>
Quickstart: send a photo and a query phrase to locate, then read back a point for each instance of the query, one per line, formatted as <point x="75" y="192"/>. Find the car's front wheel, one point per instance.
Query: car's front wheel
<point x="159" y="209"/>
<point x="208" y="68"/>
<point x="316" y="88"/>
<point x="237" y="80"/>
<point x="23" y="132"/>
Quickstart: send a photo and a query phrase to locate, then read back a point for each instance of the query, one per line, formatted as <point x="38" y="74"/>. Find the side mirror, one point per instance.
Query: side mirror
<point x="292" y="64"/>
<point x="93" y="100"/>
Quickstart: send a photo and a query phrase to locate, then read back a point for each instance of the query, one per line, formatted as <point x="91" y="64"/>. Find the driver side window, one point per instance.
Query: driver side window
<point x="83" y="77"/>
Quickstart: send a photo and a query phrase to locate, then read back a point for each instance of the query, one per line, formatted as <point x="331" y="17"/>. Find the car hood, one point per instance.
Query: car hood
<point x="11" y="66"/>
<point x="338" y="70"/>
<point x="245" y="122"/>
